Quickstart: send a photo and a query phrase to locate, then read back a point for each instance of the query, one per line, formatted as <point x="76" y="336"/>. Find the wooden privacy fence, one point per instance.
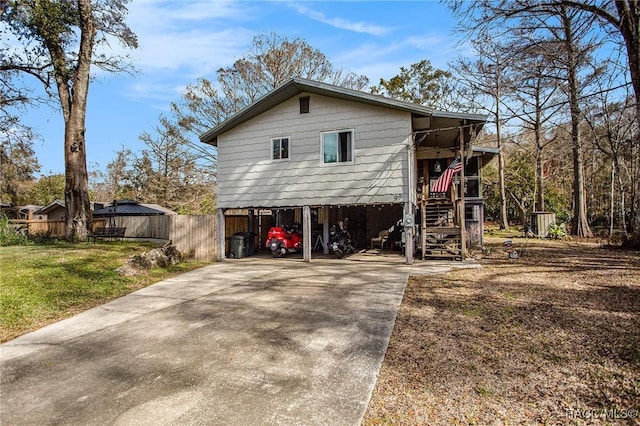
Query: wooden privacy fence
<point x="194" y="236"/>
<point x="54" y="228"/>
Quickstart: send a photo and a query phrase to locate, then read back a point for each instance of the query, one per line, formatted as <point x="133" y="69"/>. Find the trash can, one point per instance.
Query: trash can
<point x="238" y="246"/>
<point x="242" y="245"/>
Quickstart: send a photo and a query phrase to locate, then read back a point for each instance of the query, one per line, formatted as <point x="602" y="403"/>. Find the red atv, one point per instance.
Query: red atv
<point x="282" y="240"/>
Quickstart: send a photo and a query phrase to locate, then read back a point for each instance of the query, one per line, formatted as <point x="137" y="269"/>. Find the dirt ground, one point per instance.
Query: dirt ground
<point x="552" y="337"/>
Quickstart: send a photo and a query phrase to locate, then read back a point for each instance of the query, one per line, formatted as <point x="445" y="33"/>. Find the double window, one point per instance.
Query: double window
<point x="280" y="148"/>
<point x="337" y="147"/>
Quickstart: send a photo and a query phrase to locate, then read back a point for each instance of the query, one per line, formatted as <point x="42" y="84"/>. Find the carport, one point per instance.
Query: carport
<point x="365" y="222"/>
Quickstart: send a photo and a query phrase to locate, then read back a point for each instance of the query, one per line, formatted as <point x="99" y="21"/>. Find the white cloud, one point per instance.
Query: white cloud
<point x="187" y="35"/>
<point x="195" y="52"/>
<point x="343" y="24"/>
<point x="170" y="14"/>
<point x="180" y="41"/>
<point x="144" y="89"/>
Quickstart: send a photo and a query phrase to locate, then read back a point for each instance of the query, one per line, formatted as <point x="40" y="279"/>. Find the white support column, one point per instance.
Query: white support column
<point x="409" y="205"/>
<point x="220" y="226"/>
<point x="306" y="232"/>
<point x="408" y="232"/>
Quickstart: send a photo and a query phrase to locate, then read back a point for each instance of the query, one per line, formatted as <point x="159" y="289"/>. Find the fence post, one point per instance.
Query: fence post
<point x="219" y="251"/>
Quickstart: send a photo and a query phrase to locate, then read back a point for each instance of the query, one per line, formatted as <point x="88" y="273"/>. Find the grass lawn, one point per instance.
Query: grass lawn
<point x="45" y="283"/>
<point x="552" y="337"/>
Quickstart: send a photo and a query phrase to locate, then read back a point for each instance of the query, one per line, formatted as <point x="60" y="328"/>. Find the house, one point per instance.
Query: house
<point x="131" y="208"/>
<point x="25" y="212"/>
<point x="312" y="153"/>
<point x="54" y="211"/>
<point x="57" y="210"/>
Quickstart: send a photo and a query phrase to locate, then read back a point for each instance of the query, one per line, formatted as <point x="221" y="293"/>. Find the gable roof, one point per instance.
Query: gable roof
<point x="46" y="209"/>
<point x="297" y="85"/>
<point x="61" y="204"/>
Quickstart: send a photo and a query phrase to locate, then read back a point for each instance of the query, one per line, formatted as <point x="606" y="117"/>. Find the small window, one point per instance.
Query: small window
<point x="279" y="148"/>
<point x="472" y="213"/>
<point x="304" y="105"/>
<point x="337" y="147"/>
<point x="472" y="166"/>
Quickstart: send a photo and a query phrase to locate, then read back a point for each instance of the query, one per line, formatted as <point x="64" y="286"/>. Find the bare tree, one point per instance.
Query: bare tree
<point x="622" y="17"/>
<point x="570" y="32"/>
<point x="533" y="102"/>
<point x="174" y="177"/>
<point x="270" y="61"/>
<point x="487" y="76"/>
<point x="57" y="41"/>
<point x="612" y="123"/>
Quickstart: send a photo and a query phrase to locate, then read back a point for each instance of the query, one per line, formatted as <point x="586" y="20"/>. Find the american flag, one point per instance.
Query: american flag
<point x="443" y="182"/>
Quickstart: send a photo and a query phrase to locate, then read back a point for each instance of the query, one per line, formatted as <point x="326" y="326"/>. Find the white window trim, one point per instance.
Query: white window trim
<point x="353" y="147"/>
<point x="288" y="138"/>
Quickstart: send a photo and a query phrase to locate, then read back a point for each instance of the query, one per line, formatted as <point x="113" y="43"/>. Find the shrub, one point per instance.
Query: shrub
<point x="10" y="235"/>
<point x="557" y="232"/>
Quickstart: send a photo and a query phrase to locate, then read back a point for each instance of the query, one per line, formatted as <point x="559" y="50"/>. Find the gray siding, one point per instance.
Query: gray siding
<point x="247" y="177"/>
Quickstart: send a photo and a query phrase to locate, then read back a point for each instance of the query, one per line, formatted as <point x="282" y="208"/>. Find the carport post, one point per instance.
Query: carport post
<point x="220" y="255"/>
<point x="325" y="230"/>
<point x="306" y="232"/>
<point x="409" y="227"/>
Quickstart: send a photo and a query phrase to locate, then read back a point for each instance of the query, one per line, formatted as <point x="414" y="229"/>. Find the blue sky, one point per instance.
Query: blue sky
<point x="182" y="40"/>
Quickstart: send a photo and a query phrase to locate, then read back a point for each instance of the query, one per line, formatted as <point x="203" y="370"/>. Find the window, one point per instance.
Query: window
<point x="304" y="105"/>
<point x="472" y="188"/>
<point x="337" y="147"/>
<point x="472" y="177"/>
<point x="472" y="213"/>
<point x="279" y="148"/>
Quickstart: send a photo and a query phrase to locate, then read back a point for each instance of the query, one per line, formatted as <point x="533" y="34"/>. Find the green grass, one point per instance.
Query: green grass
<point x="41" y="284"/>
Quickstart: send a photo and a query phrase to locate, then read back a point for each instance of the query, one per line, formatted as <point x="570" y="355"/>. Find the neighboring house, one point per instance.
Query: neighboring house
<point x="53" y="211"/>
<point x="57" y="210"/>
<point x="131" y="208"/>
<point x="313" y="153"/>
<point x="26" y="212"/>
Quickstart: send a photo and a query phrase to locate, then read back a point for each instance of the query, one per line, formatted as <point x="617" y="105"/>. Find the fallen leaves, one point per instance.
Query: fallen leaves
<point x="521" y="341"/>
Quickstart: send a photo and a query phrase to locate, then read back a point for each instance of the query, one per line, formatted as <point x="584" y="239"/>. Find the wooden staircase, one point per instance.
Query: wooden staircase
<point x="439" y="213"/>
<point x="442" y="235"/>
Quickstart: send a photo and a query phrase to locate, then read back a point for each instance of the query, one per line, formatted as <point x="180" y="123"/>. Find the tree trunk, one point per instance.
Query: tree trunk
<point x="629" y="25"/>
<point x="78" y="205"/>
<point x="580" y="224"/>
<point x="504" y="219"/>
<point x="612" y="194"/>
<point x="73" y="95"/>
<point x="539" y="182"/>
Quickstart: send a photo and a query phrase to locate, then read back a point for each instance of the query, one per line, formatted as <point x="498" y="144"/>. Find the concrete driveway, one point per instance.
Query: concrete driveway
<point x="246" y="342"/>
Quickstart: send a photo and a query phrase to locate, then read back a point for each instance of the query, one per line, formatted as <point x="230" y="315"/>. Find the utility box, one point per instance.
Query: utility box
<point x="540" y="223"/>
